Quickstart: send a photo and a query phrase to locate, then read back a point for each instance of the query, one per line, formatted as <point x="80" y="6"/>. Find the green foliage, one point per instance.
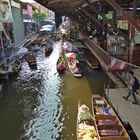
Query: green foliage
<point x="39" y="16"/>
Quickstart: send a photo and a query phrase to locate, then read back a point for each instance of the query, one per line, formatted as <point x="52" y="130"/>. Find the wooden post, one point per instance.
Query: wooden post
<point x="3" y="53"/>
<point x="58" y="19"/>
<point x="132" y="35"/>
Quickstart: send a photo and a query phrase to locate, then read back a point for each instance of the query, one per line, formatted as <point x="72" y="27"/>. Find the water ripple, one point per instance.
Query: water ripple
<point x="46" y="119"/>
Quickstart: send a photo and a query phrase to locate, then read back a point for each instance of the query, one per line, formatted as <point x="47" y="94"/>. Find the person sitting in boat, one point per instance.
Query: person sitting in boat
<point x="61" y="66"/>
<point x="77" y="68"/>
<point x="77" y="65"/>
<point x="84" y="114"/>
<point x="72" y="63"/>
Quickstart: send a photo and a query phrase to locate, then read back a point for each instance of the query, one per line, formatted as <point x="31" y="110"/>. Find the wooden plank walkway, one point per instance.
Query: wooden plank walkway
<point x="126" y="110"/>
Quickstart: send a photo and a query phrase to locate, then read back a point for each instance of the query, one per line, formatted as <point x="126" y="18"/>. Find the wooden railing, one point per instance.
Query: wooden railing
<point x="123" y="57"/>
<point x="119" y="9"/>
<point x="99" y="53"/>
<point x="104" y="59"/>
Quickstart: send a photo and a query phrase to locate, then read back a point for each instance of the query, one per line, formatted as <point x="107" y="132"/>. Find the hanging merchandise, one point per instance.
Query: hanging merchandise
<point x="116" y="45"/>
<point x="117" y="64"/>
<point x="5" y="11"/>
<point x="3" y="29"/>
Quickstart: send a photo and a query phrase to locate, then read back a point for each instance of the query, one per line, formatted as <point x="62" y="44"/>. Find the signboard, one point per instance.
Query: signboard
<point x="137" y="38"/>
<point x="122" y="24"/>
<point x="109" y="15"/>
<point x="5" y="11"/>
<point x="15" y="4"/>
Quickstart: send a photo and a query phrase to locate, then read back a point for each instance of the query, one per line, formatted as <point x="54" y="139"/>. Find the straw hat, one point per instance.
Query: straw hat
<point x="83" y="108"/>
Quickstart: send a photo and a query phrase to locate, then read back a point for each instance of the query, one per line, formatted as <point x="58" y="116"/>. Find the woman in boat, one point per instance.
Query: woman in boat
<point x="84" y="114"/>
<point x="77" y="68"/>
<point x="61" y="66"/>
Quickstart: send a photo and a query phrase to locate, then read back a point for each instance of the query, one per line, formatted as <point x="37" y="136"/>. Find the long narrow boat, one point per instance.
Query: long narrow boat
<point x="108" y="124"/>
<point x="92" y="62"/>
<point x="31" y="59"/>
<point x="85" y="129"/>
<point x="61" y="66"/>
<point x="48" y="51"/>
<point x="91" y="59"/>
<point x="14" y="66"/>
<point x="3" y="75"/>
<point x="75" y="70"/>
<point x="3" y="71"/>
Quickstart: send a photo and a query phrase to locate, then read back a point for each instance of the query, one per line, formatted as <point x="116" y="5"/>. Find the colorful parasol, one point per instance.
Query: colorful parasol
<point x="65" y="45"/>
<point x="72" y="48"/>
<point x="72" y="55"/>
<point x="22" y="51"/>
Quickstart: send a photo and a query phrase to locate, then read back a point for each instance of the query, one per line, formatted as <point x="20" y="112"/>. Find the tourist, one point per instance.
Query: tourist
<point x="130" y="85"/>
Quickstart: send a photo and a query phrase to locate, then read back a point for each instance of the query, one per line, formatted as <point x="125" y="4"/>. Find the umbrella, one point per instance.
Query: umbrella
<point x="69" y="47"/>
<point x="72" y="49"/>
<point x="72" y="55"/>
<point x="22" y="51"/>
<point x="65" y="45"/>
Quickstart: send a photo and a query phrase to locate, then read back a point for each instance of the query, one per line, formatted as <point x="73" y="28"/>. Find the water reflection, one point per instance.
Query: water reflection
<point x="46" y="121"/>
<point x="41" y="105"/>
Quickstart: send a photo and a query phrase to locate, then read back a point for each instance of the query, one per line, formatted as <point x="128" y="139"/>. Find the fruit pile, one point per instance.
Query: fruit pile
<point x="86" y="132"/>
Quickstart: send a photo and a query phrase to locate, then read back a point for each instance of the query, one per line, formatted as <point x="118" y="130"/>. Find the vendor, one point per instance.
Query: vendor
<point x="61" y="66"/>
<point x="84" y="114"/>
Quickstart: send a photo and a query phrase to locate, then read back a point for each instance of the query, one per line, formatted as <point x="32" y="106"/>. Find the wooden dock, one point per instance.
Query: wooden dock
<point x="127" y="111"/>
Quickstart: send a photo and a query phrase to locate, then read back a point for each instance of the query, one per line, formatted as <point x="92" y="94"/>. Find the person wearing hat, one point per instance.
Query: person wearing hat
<point x="84" y="114"/>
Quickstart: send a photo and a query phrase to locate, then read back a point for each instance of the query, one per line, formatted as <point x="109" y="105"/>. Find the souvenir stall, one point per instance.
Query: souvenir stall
<point x="3" y="69"/>
<point x="68" y="30"/>
<point x="6" y="36"/>
<point x="116" y="47"/>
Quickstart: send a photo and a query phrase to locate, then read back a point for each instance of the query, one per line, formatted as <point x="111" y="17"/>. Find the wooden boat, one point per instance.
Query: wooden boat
<point x="14" y="66"/>
<point x="11" y="67"/>
<point x="48" y="51"/>
<point x="3" y="75"/>
<point x="31" y="59"/>
<point x="108" y="124"/>
<point x="3" y="71"/>
<point x="85" y="130"/>
<point x="92" y="61"/>
<point x="74" y="67"/>
<point x="61" y="66"/>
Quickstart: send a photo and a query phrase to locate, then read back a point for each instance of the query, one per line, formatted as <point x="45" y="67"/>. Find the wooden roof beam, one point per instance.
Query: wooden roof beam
<point x="92" y="17"/>
<point x="124" y="14"/>
<point x="65" y="6"/>
<point x="104" y="18"/>
<point x="54" y="1"/>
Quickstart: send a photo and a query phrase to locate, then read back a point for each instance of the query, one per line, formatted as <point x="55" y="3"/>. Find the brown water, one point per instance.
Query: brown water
<point x="41" y="105"/>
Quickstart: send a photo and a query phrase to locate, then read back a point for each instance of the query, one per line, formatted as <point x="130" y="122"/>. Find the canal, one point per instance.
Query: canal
<point x="41" y="105"/>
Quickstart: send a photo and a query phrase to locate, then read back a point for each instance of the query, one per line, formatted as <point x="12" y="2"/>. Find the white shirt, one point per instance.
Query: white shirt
<point x="131" y="83"/>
